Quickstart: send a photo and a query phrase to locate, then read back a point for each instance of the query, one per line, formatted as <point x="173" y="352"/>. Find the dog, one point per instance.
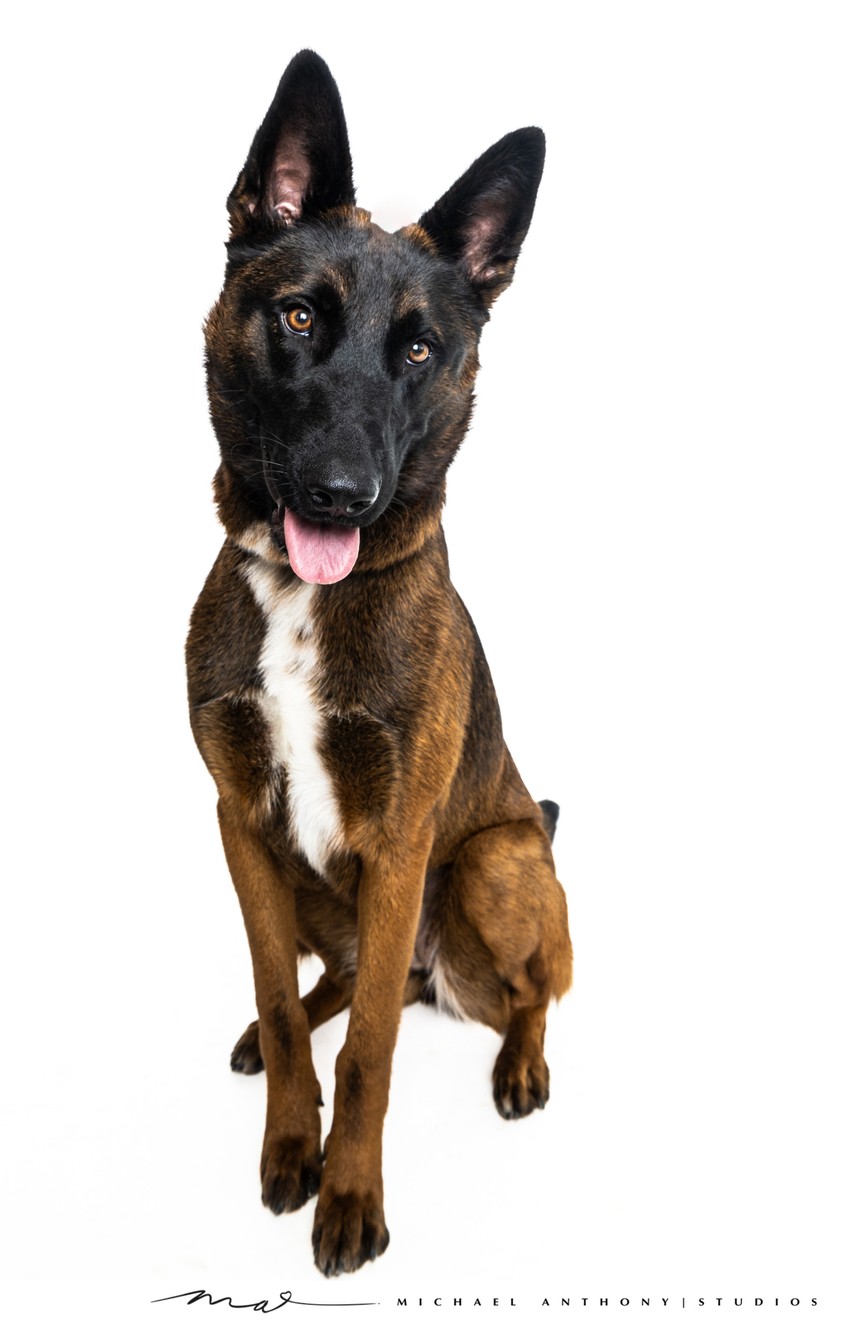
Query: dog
<point x="369" y="809"/>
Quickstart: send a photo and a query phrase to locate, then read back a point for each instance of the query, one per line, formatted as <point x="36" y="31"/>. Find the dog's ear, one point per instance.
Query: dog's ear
<point x="299" y="163"/>
<point x="482" y="220"/>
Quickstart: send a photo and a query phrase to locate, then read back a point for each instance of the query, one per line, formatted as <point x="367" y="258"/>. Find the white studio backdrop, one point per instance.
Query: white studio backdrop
<point x="651" y="525"/>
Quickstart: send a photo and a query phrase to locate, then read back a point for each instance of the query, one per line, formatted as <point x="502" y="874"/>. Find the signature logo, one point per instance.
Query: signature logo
<point x="261" y="1305"/>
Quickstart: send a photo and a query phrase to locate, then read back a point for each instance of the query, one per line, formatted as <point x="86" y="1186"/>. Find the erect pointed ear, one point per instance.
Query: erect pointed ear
<point x="482" y="220"/>
<point x="299" y="163"/>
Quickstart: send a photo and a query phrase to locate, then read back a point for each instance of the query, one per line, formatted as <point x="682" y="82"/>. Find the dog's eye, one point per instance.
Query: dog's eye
<point x="299" y="321"/>
<point x="419" y="352"/>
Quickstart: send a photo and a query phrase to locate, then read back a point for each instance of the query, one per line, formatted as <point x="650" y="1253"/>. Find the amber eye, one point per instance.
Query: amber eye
<point x="299" y="320"/>
<point x="419" y="352"/>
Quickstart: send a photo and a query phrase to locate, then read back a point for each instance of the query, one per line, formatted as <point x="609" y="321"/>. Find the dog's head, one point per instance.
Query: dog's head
<point x="341" y="359"/>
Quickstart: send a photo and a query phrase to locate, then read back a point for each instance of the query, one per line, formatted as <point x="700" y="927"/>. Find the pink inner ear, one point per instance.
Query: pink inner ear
<point x="288" y="183"/>
<point x="478" y="245"/>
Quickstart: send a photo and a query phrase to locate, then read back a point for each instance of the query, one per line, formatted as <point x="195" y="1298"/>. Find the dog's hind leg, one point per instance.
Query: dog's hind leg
<point x="246" y="1055"/>
<point x="504" y="952"/>
<point x="323" y="1002"/>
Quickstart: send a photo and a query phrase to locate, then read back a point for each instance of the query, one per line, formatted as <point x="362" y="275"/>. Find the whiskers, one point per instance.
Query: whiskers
<point x="255" y="457"/>
<point x="395" y="509"/>
<point x="273" y="469"/>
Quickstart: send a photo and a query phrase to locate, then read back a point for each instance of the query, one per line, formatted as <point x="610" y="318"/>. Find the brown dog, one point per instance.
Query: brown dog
<point x="369" y="809"/>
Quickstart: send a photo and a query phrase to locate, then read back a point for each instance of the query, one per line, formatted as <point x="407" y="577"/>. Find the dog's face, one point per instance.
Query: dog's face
<point x="341" y="359"/>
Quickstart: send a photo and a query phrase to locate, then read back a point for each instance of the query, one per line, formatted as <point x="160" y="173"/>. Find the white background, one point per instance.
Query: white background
<point x="651" y="524"/>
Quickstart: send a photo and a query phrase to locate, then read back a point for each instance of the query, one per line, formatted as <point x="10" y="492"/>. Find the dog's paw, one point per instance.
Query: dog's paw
<point x="520" y="1084"/>
<point x="246" y="1056"/>
<point x="349" y="1230"/>
<point x="290" y="1173"/>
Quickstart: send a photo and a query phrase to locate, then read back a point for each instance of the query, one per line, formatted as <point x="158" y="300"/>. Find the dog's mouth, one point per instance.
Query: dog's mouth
<point x="318" y="552"/>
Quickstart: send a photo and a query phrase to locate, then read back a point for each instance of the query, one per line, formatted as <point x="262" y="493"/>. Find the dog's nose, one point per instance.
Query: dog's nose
<point x="342" y="495"/>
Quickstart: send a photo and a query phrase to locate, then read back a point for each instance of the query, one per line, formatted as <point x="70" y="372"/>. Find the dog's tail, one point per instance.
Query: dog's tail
<point x="550" y="812"/>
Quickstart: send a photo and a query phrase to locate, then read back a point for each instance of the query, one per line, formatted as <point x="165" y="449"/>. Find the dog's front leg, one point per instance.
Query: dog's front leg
<point x="290" y="1158"/>
<point x="349" y="1224"/>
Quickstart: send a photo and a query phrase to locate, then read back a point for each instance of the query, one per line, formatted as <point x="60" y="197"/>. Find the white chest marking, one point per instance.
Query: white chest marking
<point x="288" y="663"/>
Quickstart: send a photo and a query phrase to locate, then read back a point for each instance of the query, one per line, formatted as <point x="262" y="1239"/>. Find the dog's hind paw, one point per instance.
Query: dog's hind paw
<point x="519" y="1085"/>
<point x="290" y="1173"/>
<point x="349" y="1230"/>
<point x="246" y="1056"/>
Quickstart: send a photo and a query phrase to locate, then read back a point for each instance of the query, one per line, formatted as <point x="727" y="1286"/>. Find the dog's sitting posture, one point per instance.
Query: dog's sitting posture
<point x="369" y="809"/>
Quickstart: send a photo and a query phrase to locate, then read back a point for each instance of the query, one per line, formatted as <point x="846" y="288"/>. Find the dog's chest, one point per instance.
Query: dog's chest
<point x="290" y="671"/>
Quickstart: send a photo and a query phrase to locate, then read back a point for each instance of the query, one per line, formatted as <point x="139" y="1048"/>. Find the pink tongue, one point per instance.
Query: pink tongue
<point x="319" y="552"/>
